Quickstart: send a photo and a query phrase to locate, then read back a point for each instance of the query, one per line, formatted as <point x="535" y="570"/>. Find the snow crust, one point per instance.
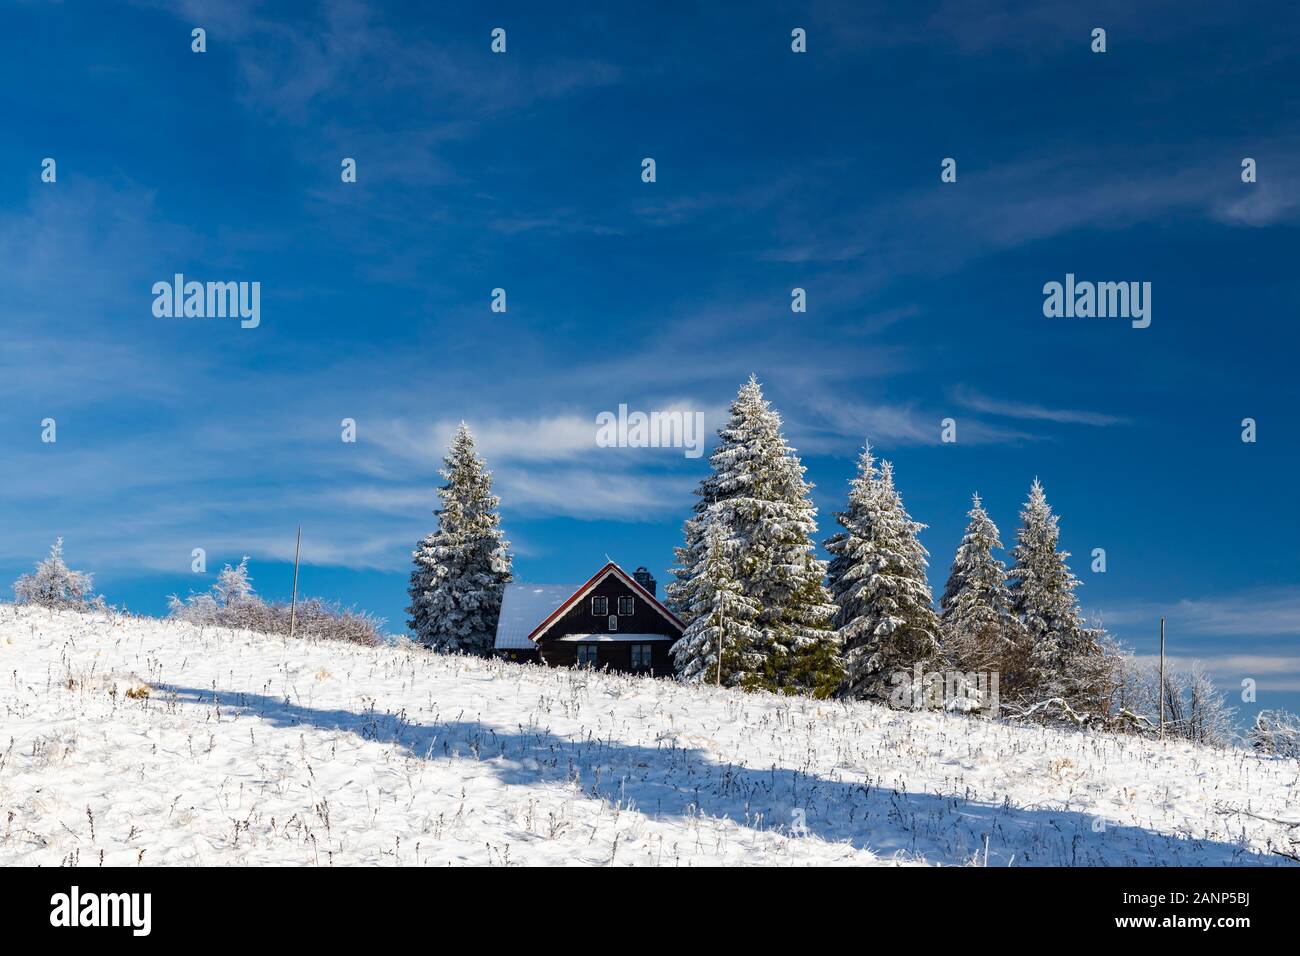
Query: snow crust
<point x="161" y="742"/>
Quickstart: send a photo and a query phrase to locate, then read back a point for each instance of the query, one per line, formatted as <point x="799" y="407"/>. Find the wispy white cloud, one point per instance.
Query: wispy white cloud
<point x="290" y="70"/>
<point x="975" y="401"/>
<point x="597" y="495"/>
<point x="1257" y="665"/>
<point x="540" y="438"/>
<point x="1031" y="199"/>
<point x="558" y="221"/>
<point x="831" y="425"/>
<point x="1271" y="673"/>
<point x="1262" y="612"/>
<point x="1276" y="199"/>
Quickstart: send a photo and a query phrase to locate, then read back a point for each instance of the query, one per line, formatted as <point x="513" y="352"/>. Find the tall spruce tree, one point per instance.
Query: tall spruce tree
<point x="461" y="569"/>
<point x="722" y="617"/>
<point x="758" y="497"/>
<point x="884" y="617"/>
<point x="979" y="630"/>
<point x="1061" y="651"/>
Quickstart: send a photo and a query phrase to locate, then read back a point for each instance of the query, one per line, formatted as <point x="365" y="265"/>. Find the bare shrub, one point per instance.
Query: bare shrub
<point x="1194" y="709"/>
<point x="232" y="602"/>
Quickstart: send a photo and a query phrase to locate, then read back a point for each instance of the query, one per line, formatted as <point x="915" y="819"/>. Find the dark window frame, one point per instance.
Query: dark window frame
<point x="646" y="654"/>
<point x="588" y="655"/>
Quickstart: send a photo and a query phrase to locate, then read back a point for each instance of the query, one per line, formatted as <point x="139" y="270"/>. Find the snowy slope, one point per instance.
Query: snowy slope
<point x="252" y="750"/>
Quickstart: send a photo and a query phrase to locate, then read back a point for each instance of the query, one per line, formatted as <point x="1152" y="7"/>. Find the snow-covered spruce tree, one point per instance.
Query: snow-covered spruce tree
<point x="978" y="630"/>
<point x="759" y="498"/>
<point x="885" y="616"/>
<point x="54" y="585"/>
<point x="462" y="568"/>
<point x="721" y="616"/>
<point x="1064" y="656"/>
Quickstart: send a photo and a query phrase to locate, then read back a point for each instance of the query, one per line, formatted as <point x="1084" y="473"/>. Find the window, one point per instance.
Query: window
<point x="600" y="605"/>
<point x="613" y="622"/>
<point x="586" y="655"/>
<point x="641" y="659"/>
<point x="625" y="605"/>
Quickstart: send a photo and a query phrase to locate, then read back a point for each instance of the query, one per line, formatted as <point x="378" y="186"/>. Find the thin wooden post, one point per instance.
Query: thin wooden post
<point x="293" y="604"/>
<point x="1162" y="678"/>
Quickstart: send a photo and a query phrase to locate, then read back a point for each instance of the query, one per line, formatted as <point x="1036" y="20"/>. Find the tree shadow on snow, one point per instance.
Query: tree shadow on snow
<point x="668" y="780"/>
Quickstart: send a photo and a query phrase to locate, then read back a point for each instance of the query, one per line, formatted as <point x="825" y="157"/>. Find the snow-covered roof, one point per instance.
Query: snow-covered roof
<point x="617" y="636"/>
<point x="523" y="606"/>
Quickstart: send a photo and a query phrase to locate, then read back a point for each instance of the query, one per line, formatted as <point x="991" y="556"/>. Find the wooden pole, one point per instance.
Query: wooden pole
<point x="1162" y="678"/>
<point x="293" y="604"/>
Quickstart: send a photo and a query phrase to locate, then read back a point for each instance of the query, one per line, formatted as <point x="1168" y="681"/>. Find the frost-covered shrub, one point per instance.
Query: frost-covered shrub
<point x="331" y="622"/>
<point x="1194" y="709"/>
<point x="232" y="602"/>
<point x="197" y="608"/>
<point x="234" y="587"/>
<point x="1276" y="732"/>
<point x="53" y="584"/>
<point x="215" y="607"/>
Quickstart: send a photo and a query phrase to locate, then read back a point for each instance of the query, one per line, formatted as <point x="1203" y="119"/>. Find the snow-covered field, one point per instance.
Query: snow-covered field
<point x="134" y="740"/>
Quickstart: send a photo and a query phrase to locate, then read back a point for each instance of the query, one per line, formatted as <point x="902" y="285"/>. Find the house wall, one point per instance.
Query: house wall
<point x="617" y="655"/>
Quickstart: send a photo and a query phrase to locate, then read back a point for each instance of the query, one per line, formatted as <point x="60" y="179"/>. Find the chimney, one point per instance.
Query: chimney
<point x="643" y="577"/>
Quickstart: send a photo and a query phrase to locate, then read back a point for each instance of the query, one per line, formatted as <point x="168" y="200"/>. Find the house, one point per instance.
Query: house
<point x="613" y="621"/>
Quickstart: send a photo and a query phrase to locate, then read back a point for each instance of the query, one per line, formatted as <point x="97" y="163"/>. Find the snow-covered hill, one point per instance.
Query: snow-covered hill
<point x="146" y="741"/>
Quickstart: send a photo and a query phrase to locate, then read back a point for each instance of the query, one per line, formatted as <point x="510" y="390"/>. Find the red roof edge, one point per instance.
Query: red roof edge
<point x="577" y="595"/>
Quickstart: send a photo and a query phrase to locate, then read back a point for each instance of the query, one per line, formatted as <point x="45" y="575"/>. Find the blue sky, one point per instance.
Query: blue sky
<point x="774" y="170"/>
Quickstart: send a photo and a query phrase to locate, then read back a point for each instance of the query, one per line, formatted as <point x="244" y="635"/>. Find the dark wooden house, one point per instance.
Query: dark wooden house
<point x="614" y="622"/>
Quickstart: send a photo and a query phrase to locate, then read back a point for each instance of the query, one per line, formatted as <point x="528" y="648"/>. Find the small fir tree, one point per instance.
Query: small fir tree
<point x="757" y="495"/>
<point x="979" y="631"/>
<point x="462" y="568"/>
<point x="884" y="617"/>
<point x="1063" y="654"/>
<point x="722" y="617"/>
